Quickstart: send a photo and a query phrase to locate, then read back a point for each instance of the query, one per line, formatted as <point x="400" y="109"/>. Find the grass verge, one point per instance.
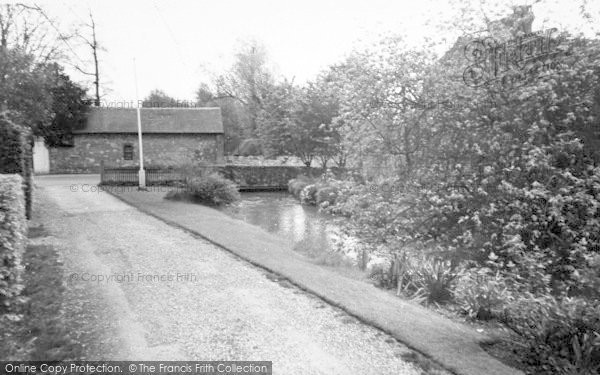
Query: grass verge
<point x="37" y="330"/>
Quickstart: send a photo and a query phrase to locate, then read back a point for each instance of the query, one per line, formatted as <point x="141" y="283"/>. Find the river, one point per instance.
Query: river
<point x="314" y="233"/>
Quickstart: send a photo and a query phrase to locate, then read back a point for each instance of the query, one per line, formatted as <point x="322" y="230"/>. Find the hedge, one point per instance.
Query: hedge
<point x="16" y="156"/>
<point x="13" y="230"/>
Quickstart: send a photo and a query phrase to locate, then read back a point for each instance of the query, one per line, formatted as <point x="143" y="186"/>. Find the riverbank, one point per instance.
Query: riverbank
<point x="455" y="346"/>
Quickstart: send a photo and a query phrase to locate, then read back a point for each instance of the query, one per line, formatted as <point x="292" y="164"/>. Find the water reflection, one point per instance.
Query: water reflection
<point x="280" y="213"/>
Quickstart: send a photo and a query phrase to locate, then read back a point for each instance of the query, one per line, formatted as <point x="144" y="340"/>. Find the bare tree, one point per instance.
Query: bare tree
<point x="29" y="29"/>
<point x="35" y="38"/>
<point x="92" y="42"/>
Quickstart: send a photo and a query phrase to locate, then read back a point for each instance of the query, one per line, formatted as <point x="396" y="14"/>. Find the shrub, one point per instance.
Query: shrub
<point x="323" y="192"/>
<point x="434" y="279"/>
<point x="13" y="229"/>
<point x="351" y="199"/>
<point x="421" y="277"/>
<point x="308" y="194"/>
<point x="563" y="335"/>
<point x="326" y="195"/>
<point x="481" y="294"/>
<point x="296" y="185"/>
<point x="212" y="190"/>
<point x="12" y="151"/>
<point x="16" y="156"/>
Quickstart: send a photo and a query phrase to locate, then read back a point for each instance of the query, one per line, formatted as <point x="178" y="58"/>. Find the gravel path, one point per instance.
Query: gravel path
<point x="209" y="305"/>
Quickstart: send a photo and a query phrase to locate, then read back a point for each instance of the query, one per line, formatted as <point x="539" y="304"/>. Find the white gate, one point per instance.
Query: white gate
<point x="41" y="158"/>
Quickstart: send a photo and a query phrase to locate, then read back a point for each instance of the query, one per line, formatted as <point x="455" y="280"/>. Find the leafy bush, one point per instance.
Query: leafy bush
<point x="211" y="190"/>
<point x="323" y="192"/>
<point x="308" y="195"/>
<point x="326" y="195"/>
<point x="296" y="185"/>
<point x="12" y="152"/>
<point x="16" y="156"/>
<point x="433" y="278"/>
<point x="563" y="334"/>
<point x="417" y="276"/>
<point x="352" y="200"/>
<point x="13" y="229"/>
<point x="482" y="294"/>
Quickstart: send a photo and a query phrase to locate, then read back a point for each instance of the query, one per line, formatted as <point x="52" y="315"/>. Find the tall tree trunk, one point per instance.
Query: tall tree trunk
<point x="95" y="54"/>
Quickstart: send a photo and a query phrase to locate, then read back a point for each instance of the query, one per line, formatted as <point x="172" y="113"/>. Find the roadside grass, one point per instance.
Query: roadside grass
<point x="37" y="329"/>
<point x="426" y="365"/>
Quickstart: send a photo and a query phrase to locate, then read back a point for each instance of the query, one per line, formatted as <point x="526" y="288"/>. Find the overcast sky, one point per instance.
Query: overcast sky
<point x="179" y="44"/>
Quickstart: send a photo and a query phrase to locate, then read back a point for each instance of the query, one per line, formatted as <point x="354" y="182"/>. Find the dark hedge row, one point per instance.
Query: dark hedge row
<point x="16" y="156"/>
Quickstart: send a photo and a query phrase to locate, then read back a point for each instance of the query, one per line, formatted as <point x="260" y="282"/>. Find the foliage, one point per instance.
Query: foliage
<point x="434" y="278"/>
<point x="13" y="230"/>
<point x="482" y="294"/>
<point x="524" y="197"/>
<point x="318" y="107"/>
<point x="248" y="81"/>
<point x="563" y="334"/>
<point x="308" y="195"/>
<point x="41" y="97"/>
<point x="16" y="155"/>
<point x="425" y="278"/>
<point x="300" y="122"/>
<point x="296" y="185"/>
<point x="323" y="191"/>
<point x="159" y="99"/>
<point x="279" y="128"/>
<point x="509" y="191"/>
<point x="12" y="152"/>
<point x="23" y="89"/>
<point x="384" y="109"/>
<point x="510" y="187"/>
<point x="326" y="196"/>
<point x="233" y="114"/>
<point x="69" y="108"/>
<point x="211" y="189"/>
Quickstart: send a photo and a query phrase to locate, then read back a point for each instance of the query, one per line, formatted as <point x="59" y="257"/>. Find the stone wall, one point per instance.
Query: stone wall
<point x="247" y="177"/>
<point x="159" y="150"/>
<point x="265" y="177"/>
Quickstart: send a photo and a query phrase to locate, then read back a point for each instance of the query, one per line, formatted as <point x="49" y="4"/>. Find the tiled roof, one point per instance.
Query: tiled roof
<point x="154" y="120"/>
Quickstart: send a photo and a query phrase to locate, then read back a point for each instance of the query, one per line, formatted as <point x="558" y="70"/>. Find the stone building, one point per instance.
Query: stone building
<point x="171" y="137"/>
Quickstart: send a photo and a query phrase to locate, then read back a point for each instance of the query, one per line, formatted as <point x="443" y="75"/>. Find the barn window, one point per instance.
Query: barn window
<point x="128" y="151"/>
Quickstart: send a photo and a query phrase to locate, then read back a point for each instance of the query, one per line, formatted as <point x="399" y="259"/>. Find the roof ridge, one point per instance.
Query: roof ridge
<point x="206" y="120"/>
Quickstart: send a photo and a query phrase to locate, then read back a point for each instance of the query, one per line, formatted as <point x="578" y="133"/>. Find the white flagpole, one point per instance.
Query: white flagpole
<point x="141" y="173"/>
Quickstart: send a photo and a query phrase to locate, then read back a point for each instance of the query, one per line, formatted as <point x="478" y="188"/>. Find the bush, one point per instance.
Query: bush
<point x="212" y="190"/>
<point x="482" y="294"/>
<point x="323" y="192"/>
<point x="12" y="150"/>
<point x="420" y="277"/>
<point x="296" y="185"/>
<point x="16" y="156"/>
<point x="13" y="229"/>
<point x="434" y="279"/>
<point x="308" y="195"/>
<point x="563" y="335"/>
<point x="326" y="196"/>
